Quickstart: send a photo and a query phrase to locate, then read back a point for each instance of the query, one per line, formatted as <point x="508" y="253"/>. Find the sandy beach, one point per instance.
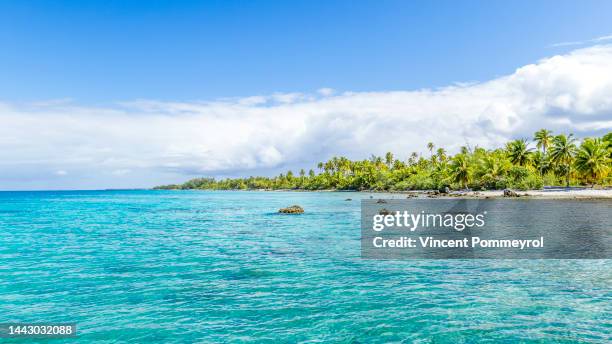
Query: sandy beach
<point x="547" y="193"/>
<point x="552" y="193"/>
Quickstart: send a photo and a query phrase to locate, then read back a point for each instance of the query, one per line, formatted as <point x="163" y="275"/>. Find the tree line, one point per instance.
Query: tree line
<point x="555" y="160"/>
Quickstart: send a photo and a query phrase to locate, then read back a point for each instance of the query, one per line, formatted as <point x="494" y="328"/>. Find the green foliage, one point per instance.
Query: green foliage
<point x="518" y="152"/>
<point x="593" y="160"/>
<point x="461" y="169"/>
<point x="562" y="154"/>
<point x="558" y="161"/>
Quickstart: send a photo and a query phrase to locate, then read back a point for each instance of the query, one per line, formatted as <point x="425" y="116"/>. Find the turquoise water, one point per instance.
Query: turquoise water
<point x="192" y="266"/>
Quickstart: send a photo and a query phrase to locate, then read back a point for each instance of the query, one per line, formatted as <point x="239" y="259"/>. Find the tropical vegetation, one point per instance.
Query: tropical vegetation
<point x="555" y="160"/>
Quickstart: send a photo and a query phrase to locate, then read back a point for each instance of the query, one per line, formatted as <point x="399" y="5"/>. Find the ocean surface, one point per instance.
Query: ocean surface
<point x="210" y="267"/>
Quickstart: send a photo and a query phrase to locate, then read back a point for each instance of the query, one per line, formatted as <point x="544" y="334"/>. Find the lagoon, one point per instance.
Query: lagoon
<point x="214" y="266"/>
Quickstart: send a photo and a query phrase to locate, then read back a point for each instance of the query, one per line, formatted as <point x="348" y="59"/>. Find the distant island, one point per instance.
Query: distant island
<point x="556" y="160"/>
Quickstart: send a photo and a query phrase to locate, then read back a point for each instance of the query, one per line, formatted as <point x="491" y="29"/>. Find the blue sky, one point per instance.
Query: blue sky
<point x="109" y="51"/>
<point x="121" y="94"/>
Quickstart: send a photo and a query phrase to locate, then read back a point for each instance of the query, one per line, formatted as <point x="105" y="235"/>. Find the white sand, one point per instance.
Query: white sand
<point x="552" y="193"/>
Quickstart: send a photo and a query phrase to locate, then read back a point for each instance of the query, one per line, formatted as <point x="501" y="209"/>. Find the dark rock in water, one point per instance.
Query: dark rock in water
<point x="381" y="201"/>
<point x="432" y="193"/>
<point x="384" y="211"/>
<point x="444" y="190"/>
<point x="294" y="209"/>
<point x="348" y="199"/>
<point x="510" y="193"/>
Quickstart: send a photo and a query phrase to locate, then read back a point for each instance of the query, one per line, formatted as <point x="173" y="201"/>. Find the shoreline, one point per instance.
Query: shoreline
<point x="556" y="193"/>
<point x="536" y="194"/>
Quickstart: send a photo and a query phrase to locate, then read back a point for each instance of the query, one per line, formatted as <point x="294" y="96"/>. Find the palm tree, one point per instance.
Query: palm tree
<point x="543" y="139"/>
<point x="592" y="160"/>
<point x="493" y="166"/>
<point x="541" y="163"/>
<point x="302" y="176"/>
<point x="460" y="169"/>
<point x="441" y="154"/>
<point x="562" y="152"/>
<point x="430" y="147"/>
<point x="518" y="152"/>
<point x="608" y="141"/>
<point x="413" y="158"/>
<point x="389" y="159"/>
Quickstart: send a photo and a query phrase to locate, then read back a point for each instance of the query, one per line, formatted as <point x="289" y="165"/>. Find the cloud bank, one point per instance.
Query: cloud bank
<point x="141" y="143"/>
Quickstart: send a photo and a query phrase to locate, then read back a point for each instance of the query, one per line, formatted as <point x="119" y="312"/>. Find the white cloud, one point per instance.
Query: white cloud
<point x="596" y="40"/>
<point x="287" y="98"/>
<point x="121" y="172"/>
<point x="326" y="91"/>
<point x="145" y="142"/>
<point x="603" y="38"/>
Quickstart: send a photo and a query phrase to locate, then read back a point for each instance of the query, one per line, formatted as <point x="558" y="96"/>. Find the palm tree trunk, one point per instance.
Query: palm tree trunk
<point x="542" y="164"/>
